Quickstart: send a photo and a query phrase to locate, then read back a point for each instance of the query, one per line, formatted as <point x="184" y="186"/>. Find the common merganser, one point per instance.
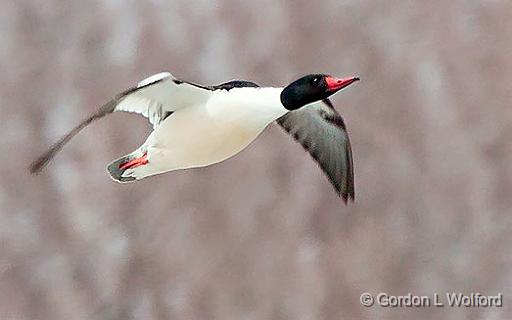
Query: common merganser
<point x="196" y="126"/>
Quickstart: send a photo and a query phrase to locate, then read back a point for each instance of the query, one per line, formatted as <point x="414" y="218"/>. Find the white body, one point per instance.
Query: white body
<point x="210" y="132"/>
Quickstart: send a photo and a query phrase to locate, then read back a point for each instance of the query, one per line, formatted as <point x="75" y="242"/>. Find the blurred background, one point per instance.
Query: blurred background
<point x="262" y="235"/>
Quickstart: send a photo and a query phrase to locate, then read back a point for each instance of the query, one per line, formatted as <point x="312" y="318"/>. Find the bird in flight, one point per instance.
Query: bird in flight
<point x="196" y="125"/>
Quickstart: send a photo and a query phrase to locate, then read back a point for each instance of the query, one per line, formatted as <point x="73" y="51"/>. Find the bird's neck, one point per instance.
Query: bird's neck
<point x="261" y="102"/>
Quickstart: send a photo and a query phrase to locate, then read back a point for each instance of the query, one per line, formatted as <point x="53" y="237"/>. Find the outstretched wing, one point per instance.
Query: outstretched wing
<point x="159" y="96"/>
<point x="322" y="132"/>
<point x="155" y="98"/>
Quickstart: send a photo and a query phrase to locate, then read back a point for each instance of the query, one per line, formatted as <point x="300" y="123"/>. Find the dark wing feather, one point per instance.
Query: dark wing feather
<point x="322" y="132"/>
<point x="234" y="84"/>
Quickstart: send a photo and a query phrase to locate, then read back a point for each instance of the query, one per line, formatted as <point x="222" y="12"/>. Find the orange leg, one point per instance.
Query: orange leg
<point x="137" y="162"/>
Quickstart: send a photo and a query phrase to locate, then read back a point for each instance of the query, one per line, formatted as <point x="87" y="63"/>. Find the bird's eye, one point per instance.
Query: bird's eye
<point x="315" y="81"/>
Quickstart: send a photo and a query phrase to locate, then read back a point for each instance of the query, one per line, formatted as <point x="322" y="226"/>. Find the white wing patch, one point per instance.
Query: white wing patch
<point x="160" y="95"/>
<point x="151" y="109"/>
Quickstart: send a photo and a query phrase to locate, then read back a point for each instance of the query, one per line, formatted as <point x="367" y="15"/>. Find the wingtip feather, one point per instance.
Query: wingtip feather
<point x="36" y="166"/>
<point x="347" y="197"/>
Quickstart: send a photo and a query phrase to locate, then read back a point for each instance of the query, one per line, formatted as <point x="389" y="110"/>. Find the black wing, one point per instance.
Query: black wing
<point x="322" y="132"/>
<point x="234" y="84"/>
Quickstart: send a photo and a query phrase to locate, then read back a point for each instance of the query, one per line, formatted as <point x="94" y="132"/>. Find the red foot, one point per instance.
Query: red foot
<point x="137" y="162"/>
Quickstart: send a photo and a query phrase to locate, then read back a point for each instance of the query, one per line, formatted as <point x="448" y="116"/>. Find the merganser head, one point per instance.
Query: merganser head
<point x="312" y="88"/>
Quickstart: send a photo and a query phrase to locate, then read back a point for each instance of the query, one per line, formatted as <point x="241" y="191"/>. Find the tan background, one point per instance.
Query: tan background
<point x="262" y="235"/>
